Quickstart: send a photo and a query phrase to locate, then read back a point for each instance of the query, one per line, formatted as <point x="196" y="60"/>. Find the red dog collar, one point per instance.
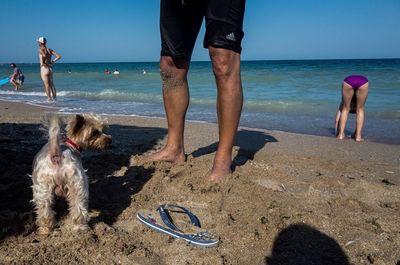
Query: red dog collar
<point x="74" y="146"/>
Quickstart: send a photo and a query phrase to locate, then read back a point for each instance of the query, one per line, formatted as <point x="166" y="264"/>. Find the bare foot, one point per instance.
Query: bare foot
<point x="44" y="230"/>
<point x="80" y="228"/>
<point x="358" y="139"/>
<point x="167" y="155"/>
<point x="220" y="170"/>
<point x="340" y="136"/>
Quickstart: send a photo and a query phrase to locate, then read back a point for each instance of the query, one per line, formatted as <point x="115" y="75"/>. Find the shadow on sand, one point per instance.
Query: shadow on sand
<point x="300" y="244"/>
<point x="249" y="143"/>
<point x="113" y="179"/>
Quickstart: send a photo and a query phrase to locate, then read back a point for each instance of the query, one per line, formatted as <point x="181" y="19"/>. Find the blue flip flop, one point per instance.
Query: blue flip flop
<point x="199" y="237"/>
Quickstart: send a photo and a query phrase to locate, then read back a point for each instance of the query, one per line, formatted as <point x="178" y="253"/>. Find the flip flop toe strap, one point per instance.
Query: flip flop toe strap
<point x="164" y="209"/>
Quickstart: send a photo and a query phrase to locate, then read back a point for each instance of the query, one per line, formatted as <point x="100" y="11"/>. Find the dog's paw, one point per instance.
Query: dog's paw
<point x="43" y="231"/>
<point x="80" y="228"/>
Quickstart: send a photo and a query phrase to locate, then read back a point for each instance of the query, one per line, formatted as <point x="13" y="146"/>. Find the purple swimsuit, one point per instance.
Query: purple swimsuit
<point x="356" y="81"/>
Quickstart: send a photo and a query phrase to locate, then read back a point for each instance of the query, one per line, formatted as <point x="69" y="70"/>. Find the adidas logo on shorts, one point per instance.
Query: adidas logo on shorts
<point x="231" y="36"/>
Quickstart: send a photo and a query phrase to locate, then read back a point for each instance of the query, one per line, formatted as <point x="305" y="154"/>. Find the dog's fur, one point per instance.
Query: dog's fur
<point x="57" y="172"/>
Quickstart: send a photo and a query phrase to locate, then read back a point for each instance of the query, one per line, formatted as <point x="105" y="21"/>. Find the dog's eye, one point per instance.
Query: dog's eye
<point x="95" y="133"/>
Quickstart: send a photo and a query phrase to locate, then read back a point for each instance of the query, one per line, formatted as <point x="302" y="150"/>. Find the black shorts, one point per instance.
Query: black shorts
<point x="180" y="22"/>
<point x="21" y="79"/>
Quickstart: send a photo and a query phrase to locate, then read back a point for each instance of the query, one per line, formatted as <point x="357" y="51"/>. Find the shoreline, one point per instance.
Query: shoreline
<point x="50" y="108"/>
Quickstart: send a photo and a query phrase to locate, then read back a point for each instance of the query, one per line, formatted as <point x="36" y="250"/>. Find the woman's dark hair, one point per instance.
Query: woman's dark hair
<point x="13" y="65"/>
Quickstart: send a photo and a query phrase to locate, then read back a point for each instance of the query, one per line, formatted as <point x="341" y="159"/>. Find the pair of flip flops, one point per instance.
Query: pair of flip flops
<point x="164" y="223"/>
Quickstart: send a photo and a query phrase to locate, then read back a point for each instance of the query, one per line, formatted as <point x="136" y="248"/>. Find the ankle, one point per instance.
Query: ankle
<point x="224" y="157"/>
<point x="222" y="163"/>
<point x="220" y="169"/>
<point x="174" y="149"/>
<point x="340" y="136"/>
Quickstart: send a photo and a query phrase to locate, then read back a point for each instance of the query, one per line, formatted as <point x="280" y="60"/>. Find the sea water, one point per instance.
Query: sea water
<point x="293" y="96"/>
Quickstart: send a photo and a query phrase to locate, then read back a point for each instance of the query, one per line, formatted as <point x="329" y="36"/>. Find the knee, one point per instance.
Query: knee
<point x="360" y="109"/>
<point x="167" y="69"/>
<point x="166" y="64"/>
<point x="345" y="105"/>
<point x="222" y="67"/>
<point x="225" y="63"/>
<point x="346" y="109"/>
<point x="173" y="72"/>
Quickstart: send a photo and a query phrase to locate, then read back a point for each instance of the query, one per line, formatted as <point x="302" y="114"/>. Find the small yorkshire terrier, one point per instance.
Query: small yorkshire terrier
<point x="58" y="170"/>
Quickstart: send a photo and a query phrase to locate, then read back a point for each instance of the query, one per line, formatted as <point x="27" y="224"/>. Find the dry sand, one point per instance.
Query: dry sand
<point x="292" y="199"/>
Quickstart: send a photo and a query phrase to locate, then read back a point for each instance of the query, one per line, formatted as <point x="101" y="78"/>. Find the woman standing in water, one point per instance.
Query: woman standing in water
<point x="354" y="96"/>
<point x="46" y="67"/>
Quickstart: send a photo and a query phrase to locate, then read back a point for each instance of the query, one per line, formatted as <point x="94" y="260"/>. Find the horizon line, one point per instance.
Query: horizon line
<point x="250" y="60"/>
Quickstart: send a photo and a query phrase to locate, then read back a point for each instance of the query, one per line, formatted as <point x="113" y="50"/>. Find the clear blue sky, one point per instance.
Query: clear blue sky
<point x="128" y="30"/>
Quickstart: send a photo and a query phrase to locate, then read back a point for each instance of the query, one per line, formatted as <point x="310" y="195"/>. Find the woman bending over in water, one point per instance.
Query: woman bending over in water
<point x="354" y="96"/>
<point x="46" y="67"/>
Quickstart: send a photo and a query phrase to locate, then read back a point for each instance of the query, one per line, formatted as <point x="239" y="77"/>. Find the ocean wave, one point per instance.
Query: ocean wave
<point x="29" y="93"/>
<point x="20" y="93"/>
<point x="113" y="95"/>
<point x="129" y="96"/>
<point x="138" y="97"/>
<point x="276" y="106"/>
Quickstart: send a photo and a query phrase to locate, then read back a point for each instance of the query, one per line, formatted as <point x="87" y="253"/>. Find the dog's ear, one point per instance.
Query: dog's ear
<point x="78" y="123"/>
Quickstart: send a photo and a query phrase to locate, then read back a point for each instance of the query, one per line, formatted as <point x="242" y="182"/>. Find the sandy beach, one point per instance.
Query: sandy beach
<point x="291" y="199"/>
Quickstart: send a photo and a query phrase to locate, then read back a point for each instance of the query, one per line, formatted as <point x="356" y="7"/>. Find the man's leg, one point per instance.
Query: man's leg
<point x="176" y="101"/>
<point x="226" y="67"/>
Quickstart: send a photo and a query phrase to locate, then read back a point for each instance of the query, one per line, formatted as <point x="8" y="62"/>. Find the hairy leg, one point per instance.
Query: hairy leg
<point x="226" y="68"/>
<point x="347" y="94"/>
<point x="43" y="198"/>
<point x="176" y="101"/>
<point x="78" y="198"/>
<point x="361" y="95"/>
